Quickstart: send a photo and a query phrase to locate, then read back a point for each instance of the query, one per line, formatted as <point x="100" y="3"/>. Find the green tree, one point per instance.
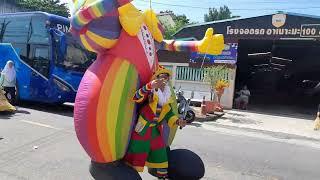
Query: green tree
<point x="181" y="18"/>
<point x="170" y="31"/>
<point x="218" y="14"/>
<point x="180" y="21"/>
<point x="213" y="74"/>
<point x="49" y="6"/>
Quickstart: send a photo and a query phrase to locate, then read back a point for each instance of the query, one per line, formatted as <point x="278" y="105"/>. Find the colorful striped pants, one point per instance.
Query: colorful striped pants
<point x="147" y="150"/>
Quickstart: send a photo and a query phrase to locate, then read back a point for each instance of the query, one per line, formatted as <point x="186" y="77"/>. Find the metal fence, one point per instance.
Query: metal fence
<point x="194" y="74"/>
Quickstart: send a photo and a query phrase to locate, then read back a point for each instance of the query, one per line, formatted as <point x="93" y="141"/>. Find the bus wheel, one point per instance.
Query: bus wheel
<point x="17" y="100"/>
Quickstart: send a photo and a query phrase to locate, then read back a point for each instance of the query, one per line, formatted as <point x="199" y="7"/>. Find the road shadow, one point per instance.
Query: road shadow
<point x="210" y="117"/>
<point x="8" y="115"/>
<point x="195" y="124"/>
<point x="19" y="111"/>
<point x="240" y="120"/>
<point x="280" y="105"/>
<point x="285" y="111"/>
<point x="63" y="109"/>
<point x="4" y="115"/>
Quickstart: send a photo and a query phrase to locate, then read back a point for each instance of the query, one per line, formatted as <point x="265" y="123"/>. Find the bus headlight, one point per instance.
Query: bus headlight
<point x="61" y="86"/>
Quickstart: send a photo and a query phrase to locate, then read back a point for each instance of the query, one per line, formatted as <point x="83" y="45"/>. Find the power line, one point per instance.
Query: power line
<point x="177" y="5"/>
<point x="247" y="1"/>
<point x="272" y="2"/>
<point x="276" y="9"/>
<point x="233" y="9"/>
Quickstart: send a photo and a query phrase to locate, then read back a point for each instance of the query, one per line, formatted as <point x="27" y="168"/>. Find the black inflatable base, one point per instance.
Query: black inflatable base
<point x="113" y="171"/>
<point x="184" y="165"/>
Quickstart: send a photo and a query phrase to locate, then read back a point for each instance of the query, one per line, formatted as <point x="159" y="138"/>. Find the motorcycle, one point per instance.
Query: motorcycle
<point x="184" y="108"/>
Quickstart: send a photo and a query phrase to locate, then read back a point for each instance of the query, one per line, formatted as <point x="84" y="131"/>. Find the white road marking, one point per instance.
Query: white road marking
<point x="40" y="124"/>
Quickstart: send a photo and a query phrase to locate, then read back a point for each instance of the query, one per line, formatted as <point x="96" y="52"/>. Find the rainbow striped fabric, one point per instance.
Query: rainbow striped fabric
<point x="104" y="109"/>
<point x="172" y="45"/>
<point x="141" y="94"/>
<point x="95" y="23"/>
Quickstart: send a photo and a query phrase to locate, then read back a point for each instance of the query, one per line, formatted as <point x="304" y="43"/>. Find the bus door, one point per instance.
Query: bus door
<point x="39" y="87"/>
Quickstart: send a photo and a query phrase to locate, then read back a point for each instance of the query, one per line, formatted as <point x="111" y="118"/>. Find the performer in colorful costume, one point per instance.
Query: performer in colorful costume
<point x="125" y="41"/>
<point x="147" y="145"/>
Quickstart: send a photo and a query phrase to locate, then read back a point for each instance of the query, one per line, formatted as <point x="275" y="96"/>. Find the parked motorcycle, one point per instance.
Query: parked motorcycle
<point x="184" y="108"/>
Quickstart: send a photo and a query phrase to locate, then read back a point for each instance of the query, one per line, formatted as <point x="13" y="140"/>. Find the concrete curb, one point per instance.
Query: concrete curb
<point x="211" y="121"/>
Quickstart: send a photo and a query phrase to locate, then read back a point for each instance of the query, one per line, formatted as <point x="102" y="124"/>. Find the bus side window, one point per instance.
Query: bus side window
<point x="2" y="28"/>
<point x="17" y="29"/>
<point x="22" y="50"/>
<point x="40" y="33"/>
<point x="40" y="60"/>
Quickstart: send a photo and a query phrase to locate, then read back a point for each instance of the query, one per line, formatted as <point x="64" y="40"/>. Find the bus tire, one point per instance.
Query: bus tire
<point x="17" y="100"/>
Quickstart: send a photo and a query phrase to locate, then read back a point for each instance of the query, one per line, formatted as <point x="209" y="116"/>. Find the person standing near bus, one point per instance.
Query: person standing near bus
<point x="8" y="81"/>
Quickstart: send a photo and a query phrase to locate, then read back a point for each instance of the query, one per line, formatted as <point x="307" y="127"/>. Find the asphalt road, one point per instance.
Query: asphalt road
<point x="39" y="143"/>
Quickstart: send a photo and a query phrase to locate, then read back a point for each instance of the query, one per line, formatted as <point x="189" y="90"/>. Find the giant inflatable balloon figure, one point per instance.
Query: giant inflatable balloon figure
<point x="126" y="41"/>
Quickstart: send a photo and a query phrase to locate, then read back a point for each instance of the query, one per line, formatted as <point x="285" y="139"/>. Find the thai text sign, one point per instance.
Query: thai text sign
<point x="306" y="30"/>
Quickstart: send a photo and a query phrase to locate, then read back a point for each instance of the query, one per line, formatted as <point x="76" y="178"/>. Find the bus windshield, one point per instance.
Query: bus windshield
<point x="75" y="58"/>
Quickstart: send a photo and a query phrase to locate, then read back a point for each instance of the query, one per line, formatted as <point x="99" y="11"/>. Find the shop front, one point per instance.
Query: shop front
<point x="275" y="55"/>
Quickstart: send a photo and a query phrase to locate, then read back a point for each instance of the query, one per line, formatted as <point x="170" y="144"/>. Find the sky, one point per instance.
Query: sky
<point x="195" y="9"/>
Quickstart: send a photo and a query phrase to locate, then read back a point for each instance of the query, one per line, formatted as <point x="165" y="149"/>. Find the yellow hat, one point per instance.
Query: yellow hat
<point x="161" y="70"/>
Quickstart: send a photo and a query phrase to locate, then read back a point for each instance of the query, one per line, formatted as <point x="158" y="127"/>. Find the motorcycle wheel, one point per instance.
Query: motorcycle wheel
<point x="190" y="116"/>
<point x="180" y="109"/>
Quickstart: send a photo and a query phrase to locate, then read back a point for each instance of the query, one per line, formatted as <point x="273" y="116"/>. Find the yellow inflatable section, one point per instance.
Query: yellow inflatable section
<point x="4" y="104"/>
<point x="131" y="19"/>
<point x="211" y="43"/>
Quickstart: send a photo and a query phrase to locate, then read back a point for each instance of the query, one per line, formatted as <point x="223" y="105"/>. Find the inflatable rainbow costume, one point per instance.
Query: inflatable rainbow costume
<point x="126" y="41"/>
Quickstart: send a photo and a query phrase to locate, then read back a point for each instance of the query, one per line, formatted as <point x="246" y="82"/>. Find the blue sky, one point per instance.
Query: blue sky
<point x="243" y="8"/>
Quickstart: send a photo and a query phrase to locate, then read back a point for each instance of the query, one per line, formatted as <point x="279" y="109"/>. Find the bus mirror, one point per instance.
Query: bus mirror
<point x="60" y="40"/>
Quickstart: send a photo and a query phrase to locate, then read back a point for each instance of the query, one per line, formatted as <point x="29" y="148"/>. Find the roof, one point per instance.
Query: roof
<point x="165" y="14"/>
<point x="36" y="12"/>
<point x="243" y="18"/>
